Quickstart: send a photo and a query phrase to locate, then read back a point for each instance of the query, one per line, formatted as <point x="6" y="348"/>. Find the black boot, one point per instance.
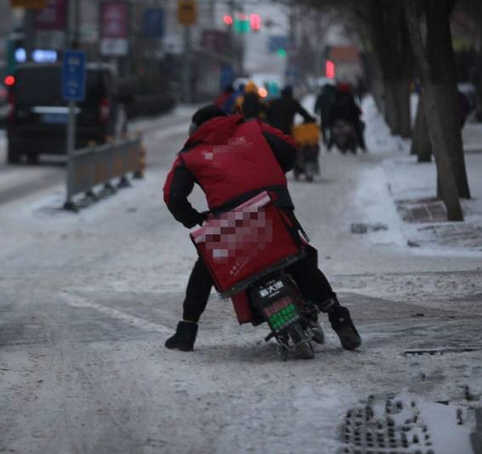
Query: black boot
<point x="309" y="315"/>
<point x="184" y="338"/>
<point x="342" y="324"/>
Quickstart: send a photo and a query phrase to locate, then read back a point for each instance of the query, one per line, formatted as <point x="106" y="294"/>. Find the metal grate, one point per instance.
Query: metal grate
<point x="391" y="426"/>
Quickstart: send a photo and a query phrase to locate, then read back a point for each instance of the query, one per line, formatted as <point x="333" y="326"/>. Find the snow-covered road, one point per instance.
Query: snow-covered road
<point x="88" y="300"/>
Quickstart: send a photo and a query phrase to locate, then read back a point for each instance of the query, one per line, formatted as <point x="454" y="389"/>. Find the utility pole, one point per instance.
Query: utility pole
<point x="291" y="67"/>
<point x="237" y="43"/>
<point x="318" y="70"/>
<point x="187" y="63"/>
<point x="29" y="31"/>
<point x="76" y="20"/>
<point x="187" y="17"/>
<point x="212" y="11"/>
<point x="71" y="25"/>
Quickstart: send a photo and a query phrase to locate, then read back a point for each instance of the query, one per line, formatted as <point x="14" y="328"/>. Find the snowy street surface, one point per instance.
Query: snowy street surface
<point x="87" y="301"/>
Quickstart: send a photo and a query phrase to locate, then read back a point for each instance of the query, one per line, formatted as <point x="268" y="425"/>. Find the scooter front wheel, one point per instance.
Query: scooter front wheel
<point x="283" y="352"/>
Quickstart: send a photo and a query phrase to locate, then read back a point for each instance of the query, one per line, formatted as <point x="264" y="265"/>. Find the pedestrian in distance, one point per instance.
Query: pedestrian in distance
<point x="221" y="100"/>
<point x="233" y="158"/>
<point x="281" y="112"/>
<point x="230" y="103"/>
<point x="323" y="104"/>
<point x="249" y="103"/>
<point x="345" y="108"/>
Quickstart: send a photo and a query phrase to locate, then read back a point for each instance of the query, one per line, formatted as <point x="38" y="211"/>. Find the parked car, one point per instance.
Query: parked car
<point x="38" y="114"/>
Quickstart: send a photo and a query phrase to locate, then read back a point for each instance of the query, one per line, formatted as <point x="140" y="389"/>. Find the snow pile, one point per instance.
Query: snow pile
<point x="377" y="134"/>
<point x="401" y="177"/>
<point x="374" y="199"/>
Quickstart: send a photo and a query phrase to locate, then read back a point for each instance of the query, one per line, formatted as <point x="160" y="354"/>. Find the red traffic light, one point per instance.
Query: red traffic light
<point x="228" y="20"/>
<point x="255" y="22"/>
<point x="9" y="80"/>
<point x="330" y="69"/>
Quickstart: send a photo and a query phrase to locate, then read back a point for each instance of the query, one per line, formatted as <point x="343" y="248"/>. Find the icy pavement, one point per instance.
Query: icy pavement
<point x="87" y="301"/>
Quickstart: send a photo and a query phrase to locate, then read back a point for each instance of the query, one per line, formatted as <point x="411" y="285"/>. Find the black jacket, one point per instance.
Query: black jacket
<point x="282" y="111"/>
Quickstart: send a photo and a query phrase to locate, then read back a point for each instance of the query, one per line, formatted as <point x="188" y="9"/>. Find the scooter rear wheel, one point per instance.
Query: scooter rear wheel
<point x="302" y="345"/>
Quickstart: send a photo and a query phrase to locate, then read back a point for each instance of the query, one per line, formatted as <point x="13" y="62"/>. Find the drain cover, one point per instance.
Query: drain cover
<point x="439" y="351"/>
<point x="405" y="425"/>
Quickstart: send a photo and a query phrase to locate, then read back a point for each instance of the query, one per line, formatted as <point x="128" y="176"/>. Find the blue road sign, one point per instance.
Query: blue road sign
<point x="153" y="23"/>
<point x="276" y="42"/>
<point x="73" y="75"/>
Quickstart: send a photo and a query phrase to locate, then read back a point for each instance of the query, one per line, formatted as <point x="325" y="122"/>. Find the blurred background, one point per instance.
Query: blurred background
<point x="163" y="52"/>
<point x="279" y="42"/>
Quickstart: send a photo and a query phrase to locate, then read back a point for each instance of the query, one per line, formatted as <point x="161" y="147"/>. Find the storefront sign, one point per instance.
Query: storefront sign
<point x="114" y="28"/>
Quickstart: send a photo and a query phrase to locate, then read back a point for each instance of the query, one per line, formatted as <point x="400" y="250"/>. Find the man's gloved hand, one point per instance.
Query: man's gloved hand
<point x="204" y="216"/>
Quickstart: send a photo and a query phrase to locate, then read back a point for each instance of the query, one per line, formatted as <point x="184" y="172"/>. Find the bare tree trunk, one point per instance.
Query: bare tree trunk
<point x="402" y="92"/>
<point x="391" y="107"/>
<point x="375" y="79"/>
<point x="432" y="102"/>
<point x="421" y="145"/>
<point x="390" y="43"/>
<point x="442" y="62"/>
<point x="397" y="115"/>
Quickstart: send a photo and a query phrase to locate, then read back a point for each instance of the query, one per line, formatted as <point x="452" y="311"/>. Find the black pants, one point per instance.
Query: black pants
<point x="312" y="283"/>
<point x="359" y="129"/>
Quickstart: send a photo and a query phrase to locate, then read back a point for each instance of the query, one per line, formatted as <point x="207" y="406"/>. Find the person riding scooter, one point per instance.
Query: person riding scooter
<point x="345" y="108"/>
<point x="323" y="105"/>
<point x="282" y="111"/>
<point x="232" y="159"/>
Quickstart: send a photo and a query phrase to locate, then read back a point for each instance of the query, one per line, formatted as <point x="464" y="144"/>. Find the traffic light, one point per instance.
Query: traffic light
<point x="281" y="52"/>
<point x="243" y="23"/>
<point x="330" y="69"/>
<point x="255" y="22"/>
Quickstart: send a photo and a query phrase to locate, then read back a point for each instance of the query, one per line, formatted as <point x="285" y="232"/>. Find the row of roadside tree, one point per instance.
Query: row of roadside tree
<point x="407" y="41"/>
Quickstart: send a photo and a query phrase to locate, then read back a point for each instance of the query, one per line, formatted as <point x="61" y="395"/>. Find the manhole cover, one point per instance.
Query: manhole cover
<point x="464" y="235"/>
<point x="406" y="424"/>
<point x="439" y="351"/>
<point x="422" y="210"/>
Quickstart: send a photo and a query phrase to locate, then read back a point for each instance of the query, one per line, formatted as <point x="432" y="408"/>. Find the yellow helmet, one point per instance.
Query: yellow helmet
<point x="251" y="87"/>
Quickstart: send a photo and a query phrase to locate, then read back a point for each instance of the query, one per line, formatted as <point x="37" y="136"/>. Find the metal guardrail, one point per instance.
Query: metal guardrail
<point x="99" y="165"/>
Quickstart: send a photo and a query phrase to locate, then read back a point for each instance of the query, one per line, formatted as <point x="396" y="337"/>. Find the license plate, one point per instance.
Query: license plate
<point x="55" y="118"/>
<point x="281" y="313"/>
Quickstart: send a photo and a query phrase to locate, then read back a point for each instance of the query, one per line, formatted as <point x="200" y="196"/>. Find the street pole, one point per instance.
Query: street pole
<point x="187" y="63"/>
<point x="71" y="25"/>
<point x="29" y="32"/>
<point x="235" y="50"/>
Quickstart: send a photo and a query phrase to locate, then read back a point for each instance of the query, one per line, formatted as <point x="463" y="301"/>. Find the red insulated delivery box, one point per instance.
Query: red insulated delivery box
<point x="245" y="241"/>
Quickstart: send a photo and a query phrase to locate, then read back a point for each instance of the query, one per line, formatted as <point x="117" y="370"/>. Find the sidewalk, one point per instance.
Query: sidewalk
<point x="412" y="187"/>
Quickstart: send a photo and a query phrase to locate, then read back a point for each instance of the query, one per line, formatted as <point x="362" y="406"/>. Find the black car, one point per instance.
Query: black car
<point x="38" y="114"/>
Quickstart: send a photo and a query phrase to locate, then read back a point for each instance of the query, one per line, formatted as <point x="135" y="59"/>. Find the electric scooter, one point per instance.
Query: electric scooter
<point x="306" y="136"/>
<point x="247" y="251"/>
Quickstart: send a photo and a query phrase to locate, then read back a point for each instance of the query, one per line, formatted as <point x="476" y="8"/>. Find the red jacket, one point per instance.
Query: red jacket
<point x="230" y="158"/>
